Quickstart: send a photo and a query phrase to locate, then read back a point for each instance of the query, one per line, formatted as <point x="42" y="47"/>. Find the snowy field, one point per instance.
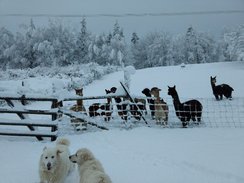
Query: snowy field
<point x="144" y="154"/>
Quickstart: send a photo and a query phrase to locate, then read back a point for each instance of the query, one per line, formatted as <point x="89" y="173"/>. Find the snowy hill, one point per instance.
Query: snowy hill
<point x="143" y="154"/>
<point x="191" y="81"/>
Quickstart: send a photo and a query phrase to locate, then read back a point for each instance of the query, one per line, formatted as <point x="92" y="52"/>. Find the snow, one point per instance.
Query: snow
<point x="144" y="154"/>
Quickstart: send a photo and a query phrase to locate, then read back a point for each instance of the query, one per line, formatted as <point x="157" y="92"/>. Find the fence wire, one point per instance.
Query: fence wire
<point x="215" y="114"/>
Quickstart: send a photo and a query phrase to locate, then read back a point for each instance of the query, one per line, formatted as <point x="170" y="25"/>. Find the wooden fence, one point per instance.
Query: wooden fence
<point x="31" y="124"/>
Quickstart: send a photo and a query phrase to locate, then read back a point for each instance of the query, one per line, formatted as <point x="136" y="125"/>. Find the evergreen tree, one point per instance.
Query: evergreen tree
<point x="199" y="47"/>
<point x="29" y="52"/>
<point x="83" y="42"/>
<point x="118" y="46"/>
<point x="134" y="38"/>
<point x="99" y="50"/>
<point x="7" y="40"/>
<point x="233" y="44"/>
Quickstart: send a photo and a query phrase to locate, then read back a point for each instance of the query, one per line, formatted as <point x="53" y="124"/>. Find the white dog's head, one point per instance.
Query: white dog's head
<point x="49" y="158"/>
<point x="81" y="156"/>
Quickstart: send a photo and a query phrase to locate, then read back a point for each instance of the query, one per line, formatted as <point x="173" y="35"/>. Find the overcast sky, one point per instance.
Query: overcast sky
<point x="212" y="23"/>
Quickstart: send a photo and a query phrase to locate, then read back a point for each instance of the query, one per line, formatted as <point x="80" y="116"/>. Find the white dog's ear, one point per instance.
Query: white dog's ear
<point x="44" y="148"/>
<point x="59" y="151"/>
<point x="85" y="156"/>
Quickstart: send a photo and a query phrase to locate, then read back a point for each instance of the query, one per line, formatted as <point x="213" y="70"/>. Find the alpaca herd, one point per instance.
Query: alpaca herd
<point x="159" y="110"/>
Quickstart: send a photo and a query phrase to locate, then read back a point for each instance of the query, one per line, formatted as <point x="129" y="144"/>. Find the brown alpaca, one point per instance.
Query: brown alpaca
<point x="79" y="107"/>
<point x="161" y="108"/>
<point x="79" y="103"/>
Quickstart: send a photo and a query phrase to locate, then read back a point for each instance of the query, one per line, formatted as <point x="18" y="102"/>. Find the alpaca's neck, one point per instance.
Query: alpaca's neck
<point x="117" y="99"/>
<point x="118" y="102"/>
<point x="157" y="103"/>
<point x="148" y="95"/>
<point x="149" y="99"/>
<point x="79" y="102"/>
<point x="157" y="99"/>
<point x="213" y="85"/>
<point x="176" y="101"/>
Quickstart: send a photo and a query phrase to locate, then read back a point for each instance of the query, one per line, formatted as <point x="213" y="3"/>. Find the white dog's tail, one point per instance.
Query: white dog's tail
<point x="63" y="141"/>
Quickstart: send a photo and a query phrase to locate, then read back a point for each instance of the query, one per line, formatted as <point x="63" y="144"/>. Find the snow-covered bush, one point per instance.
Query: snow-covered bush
<point x="83" y="73"/>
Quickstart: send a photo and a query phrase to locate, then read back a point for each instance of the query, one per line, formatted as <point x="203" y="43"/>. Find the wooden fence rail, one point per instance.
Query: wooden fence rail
<point x="31" y="124"/>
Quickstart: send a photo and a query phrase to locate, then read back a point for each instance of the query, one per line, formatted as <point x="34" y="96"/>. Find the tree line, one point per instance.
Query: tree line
<point x="58" y="45"/>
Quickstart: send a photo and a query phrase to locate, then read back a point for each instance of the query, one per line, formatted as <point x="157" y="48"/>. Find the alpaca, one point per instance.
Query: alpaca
<point x="105" y="109"/>
<point x="161" y="108"/>
<point x="79" y="107"/>
<point x="221" y="90"/>
<point x="141" y="103"/>
<point x="124" y="106"/>
<point x="186" y="111"/>
<point x="150" y="101"/>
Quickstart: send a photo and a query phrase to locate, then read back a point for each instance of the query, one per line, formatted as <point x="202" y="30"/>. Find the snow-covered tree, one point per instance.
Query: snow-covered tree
<point x="233" y="44"/>
<point x="29" y="52"/>
<point x="62" y="40"/>
<point x="199" y="47"/>
<point x="179" y="56"/>
<point x="82" y="43"/>
<point x="99" y="50"/>
<point x="118" y="46"/>
<point x="134" y="38"/>
<point x="7" y="40"/>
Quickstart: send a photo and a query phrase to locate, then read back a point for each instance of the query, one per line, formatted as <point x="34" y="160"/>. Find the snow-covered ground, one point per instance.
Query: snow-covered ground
<point x="145" y="154"/>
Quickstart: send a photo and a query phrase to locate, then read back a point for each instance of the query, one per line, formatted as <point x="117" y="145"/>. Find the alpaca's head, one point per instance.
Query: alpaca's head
<point x="113" y="90"/>
<point x="172" y="91"/>
<point x="155" y="91"/>
<point x="79" y="91"/>
<point x="213" y="79"/>
<point x="108" y="92"/>
<point x="146" y="92"/>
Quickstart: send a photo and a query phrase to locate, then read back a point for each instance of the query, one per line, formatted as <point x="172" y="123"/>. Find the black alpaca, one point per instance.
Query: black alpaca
<point x="221" y="90"/>
<point x="98" y="109"/>
<point x="150" y="101"/>
<point x="186" y="111"/>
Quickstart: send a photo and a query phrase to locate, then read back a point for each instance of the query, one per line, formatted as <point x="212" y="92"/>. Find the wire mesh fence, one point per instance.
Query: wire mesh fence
<point x="224" y="113"/>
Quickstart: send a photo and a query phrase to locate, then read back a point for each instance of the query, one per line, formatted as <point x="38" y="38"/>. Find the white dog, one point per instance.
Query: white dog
<point x="54" y="164"/>
<point x="90" y="169"/>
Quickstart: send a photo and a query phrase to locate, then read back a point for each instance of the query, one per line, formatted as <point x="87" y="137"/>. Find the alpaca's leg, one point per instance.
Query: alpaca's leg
<point x="183" y="120"/>
<point x="193" y="117"/>
<point x="221" y="96"/>
<point x="229" y="95"/>
<point x="216" y="97"/>
<point x="184" y="124"/>
<point x="199" y="116"/>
